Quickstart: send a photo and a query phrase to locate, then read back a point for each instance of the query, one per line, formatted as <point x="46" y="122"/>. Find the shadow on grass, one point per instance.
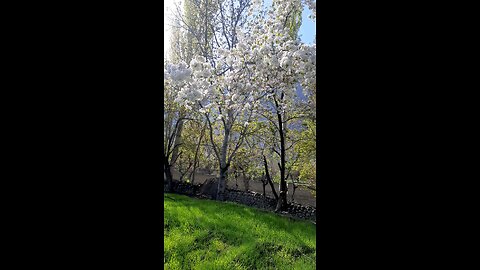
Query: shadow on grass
<point x="235" y="236"/>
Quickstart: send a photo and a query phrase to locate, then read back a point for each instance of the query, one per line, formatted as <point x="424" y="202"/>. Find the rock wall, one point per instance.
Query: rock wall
<point x="251" y="199"/>
<point x="184" y="188"/>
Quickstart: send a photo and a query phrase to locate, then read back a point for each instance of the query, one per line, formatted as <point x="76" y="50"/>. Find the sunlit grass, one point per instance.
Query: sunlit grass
<point x="203" y="234"/>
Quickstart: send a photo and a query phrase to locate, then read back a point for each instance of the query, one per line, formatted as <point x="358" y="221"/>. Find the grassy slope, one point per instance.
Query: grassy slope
<point x="203" y="234"/>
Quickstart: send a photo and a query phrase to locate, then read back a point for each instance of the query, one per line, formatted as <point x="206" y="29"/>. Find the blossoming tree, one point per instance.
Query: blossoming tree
<point x="253" y="78"/>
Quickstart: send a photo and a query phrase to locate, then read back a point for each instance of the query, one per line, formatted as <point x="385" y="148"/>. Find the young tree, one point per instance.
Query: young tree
<point x="191" y="36"/>
<point x="175" y="77"/>
<point x="221" y="89"/>
<point x="253" y="71"/>
<point x="278" y="63"/>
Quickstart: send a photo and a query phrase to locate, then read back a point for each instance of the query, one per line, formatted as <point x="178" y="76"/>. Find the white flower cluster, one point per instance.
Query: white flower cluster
<point x="265" y="57"/>
<point x="177" y="73"/>
<point x="278" y="61"/>
<point x="312" y="5"/>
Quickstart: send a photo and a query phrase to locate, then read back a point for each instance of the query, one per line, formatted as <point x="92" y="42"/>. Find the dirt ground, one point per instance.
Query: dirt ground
<point x="302" y="196"/>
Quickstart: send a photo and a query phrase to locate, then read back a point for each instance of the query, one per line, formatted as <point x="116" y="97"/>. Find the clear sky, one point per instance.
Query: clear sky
<point x="308" y="27"/>
<point x="307" y="30"/>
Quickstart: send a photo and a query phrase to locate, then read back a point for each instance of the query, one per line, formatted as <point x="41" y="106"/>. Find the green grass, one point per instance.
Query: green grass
<point x="204" y="234"/>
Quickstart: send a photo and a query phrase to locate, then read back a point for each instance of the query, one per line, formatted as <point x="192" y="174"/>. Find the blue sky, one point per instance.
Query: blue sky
<point x="308" y="28"/>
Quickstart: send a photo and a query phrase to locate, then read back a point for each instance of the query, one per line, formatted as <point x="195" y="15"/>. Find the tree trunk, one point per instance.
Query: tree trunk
<point x="294" y="187"/>
<point x="282" y="201"/>
<point x="264" y="185"/>
<point x="222" y="183"/>
<point x="178" y="140"/>
<point x="269" y="180"/>
<point x="195" y="161"/>
<point x="168" y="175"/>
<point x="246" y="182"/>
<point x="222" y="179"/>
<point x="282" y="198"/>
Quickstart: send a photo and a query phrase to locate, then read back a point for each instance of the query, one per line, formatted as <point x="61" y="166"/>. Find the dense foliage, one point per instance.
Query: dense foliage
<point x="240" y="93"/>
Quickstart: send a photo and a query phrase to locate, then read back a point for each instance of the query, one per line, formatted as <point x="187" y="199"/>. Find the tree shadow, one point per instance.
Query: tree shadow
<point x="208" y="214"/>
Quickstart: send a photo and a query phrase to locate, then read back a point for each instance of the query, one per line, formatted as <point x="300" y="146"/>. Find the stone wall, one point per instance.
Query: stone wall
<point x="302" y="211"/>
<point x="184" y="188"/>
<point x="258" y="201"/>
<point x="251" y="199"/>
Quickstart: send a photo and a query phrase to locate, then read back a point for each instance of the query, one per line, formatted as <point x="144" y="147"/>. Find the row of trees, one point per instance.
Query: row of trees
<point x="245" y="101"/>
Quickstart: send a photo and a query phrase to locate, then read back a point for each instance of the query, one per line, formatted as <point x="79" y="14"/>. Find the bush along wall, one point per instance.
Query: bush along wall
<point x="251" y="199"/>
